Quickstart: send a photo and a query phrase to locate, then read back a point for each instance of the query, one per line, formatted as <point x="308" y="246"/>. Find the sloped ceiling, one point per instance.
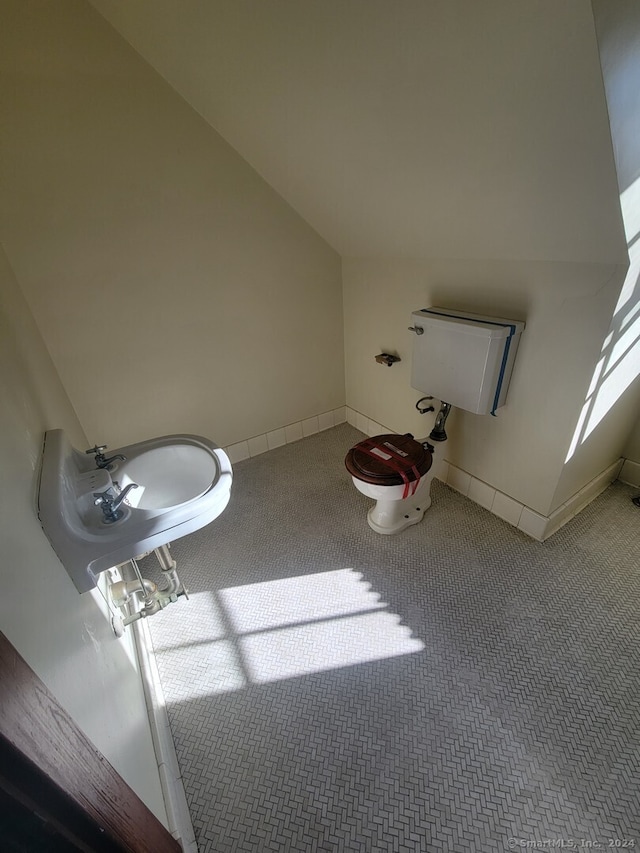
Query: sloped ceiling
<point x="406" y="128"/>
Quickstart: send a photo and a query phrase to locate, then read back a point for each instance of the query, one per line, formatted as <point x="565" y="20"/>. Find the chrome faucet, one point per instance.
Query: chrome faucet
<point x="110" y="503"/>
<point x="103" y="461"/>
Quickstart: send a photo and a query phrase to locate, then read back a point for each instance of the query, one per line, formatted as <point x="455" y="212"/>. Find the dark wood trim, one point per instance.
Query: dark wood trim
<point x="50" y="766"/>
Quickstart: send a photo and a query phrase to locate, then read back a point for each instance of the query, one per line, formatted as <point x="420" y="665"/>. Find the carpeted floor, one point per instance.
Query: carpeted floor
<point x="458" y="687"/>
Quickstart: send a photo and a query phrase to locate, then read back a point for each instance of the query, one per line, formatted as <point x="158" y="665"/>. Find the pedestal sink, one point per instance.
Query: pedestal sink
<point x="184" y="483"/>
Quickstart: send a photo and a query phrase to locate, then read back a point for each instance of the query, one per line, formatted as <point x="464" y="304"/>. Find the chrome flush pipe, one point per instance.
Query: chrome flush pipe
<point x="438" y="433"/>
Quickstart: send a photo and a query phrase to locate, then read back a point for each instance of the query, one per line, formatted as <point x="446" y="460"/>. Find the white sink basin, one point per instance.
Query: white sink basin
<point x="184" y="483"/>
<point x="167" y="475"/>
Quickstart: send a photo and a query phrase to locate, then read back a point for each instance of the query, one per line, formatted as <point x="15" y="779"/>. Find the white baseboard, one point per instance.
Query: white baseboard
<point x="258" y="444"/>
<point x="579" y="501"/>
<point x="532" y="523"/>
<point x="175" y="801"/>
<point x="630" y="473"/>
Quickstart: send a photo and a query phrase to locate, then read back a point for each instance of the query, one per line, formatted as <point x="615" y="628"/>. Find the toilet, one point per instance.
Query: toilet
<point x="395" y="471"/>
<point x="461" y="358"/>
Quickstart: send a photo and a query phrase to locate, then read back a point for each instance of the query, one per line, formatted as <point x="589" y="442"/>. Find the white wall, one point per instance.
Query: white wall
<point x="570" y="307"/>
<point x="66" y="638"/>
<point x="415" y="132"/>
<point x="136" y="230"/>
<point x="567" y="308"/>
<point x="618" y="30"/>
<point x="176" y="291"/>
<point x="632" y="447"/>
<point x="405" y="128"/>
<point x="617" y="25"/>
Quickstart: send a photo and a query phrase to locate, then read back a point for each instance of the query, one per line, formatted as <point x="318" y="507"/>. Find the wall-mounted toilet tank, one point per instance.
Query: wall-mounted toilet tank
<point x="465" y="359"/>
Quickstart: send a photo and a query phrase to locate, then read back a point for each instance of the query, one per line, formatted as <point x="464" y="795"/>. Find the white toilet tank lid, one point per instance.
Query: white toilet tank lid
<point x="470" y="324"/>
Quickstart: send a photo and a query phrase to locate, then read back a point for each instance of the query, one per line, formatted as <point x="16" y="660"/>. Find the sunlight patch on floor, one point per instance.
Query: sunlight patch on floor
<point x="260" y="606"/>
<point x="285" y="628"/>
<point x="330" y="644"/>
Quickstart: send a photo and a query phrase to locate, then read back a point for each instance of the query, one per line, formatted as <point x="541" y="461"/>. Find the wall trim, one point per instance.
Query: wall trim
<point x="285" y="435"/>
<point x="178" y="816"/>
<point x="630" y="473"/>
<point x="579" y="501"/>
<point x="535" y="525"/>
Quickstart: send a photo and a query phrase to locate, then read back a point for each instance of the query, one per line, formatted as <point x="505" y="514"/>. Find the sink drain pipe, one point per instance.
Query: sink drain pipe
<point x="172" y="585"/>
<point x="141" y="597"/>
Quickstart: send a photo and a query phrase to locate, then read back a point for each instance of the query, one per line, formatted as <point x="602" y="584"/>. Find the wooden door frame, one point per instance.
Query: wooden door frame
<point x="50" y="766"/>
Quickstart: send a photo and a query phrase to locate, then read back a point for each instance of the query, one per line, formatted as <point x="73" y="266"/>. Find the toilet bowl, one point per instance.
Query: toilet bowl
<point x="395" y="471"/>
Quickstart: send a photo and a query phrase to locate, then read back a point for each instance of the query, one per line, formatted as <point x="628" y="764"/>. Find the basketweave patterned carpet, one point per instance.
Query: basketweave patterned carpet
<point x="458" y="687"/>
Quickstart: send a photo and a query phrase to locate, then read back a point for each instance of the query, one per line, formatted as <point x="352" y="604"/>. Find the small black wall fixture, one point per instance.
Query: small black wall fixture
<point x="386" y="358"/>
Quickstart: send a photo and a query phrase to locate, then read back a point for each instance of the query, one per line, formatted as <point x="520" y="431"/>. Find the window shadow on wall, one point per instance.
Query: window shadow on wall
<point x="619" y="362"/>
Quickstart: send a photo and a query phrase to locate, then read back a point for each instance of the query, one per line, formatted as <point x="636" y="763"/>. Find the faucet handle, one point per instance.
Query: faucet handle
<point x="123" y="494"/>
<point x="110" y="503"/>
<point x="102" y="498"/>
<point x="98" y="448"/>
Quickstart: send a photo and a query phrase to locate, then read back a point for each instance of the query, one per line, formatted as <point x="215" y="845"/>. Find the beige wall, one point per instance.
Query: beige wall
<point x="570" y="308"/>
<point x="617" y="25"/>
<point x="618" y="29"/>
<point x="137" y="231"/>
<point x="405" y="128"/>
<point x="417" y="131"/>
<point x="66" y="638"/>
<point x="632" y="446"/>
<point x="175" y="290"/>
